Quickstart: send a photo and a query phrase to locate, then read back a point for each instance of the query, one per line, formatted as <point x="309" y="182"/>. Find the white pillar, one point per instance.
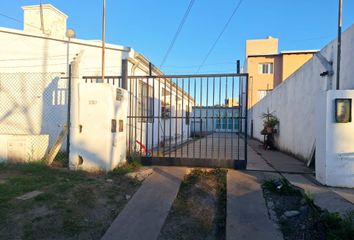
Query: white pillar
<point x="74" y="111"/>
<point x="334" y="142"/>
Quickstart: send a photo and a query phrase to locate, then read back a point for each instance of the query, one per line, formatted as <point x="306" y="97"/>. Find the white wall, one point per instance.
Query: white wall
<point x="36" y="53"/>
<point x="33" y="94"/>
<point x="33" y="104"/>
<point x="294" y="101"/>
<point x="335" y="142"/>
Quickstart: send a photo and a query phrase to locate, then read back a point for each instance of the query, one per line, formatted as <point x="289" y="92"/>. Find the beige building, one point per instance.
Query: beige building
<point x="268" y="68"/>
<point x="231" y="102"/>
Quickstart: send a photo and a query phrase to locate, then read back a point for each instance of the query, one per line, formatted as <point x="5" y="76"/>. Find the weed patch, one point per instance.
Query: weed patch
<point x="73" y="205"/>
<point x="309" y="222"/>
<point x="199" y="210"/>
<point x="132" y="164"/>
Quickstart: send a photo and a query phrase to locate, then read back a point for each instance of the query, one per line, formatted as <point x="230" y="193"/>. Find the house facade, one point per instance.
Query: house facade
<point x="34" y="78"/>
<point x="268" y="68"/>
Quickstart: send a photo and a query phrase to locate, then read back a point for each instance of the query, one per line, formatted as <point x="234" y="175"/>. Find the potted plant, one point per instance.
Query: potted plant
<point x="269" y="122"/>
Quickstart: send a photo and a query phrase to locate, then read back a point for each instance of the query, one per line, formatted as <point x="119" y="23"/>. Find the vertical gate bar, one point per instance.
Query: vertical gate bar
<point x="226" y="115"/>
<point x="135" y="112"/>
<point x="176" y="117"/>
<point x="232" y="117"/>
<point x="182" y="114"/>
<point x="212" y="134"/>
<point x="158" y="118"/>
<point x="164" y="118"/>
<point x="239" y="117"/>
<point x="206" y="119"/>
<point x="153" y="117"/>
<point x="246" y="118"/>
<point x="147" y="119"/>
<point x="220" y="127"/>
<point x="141" y="117"/>
<point x="170" y="137"/>
<point x="195" y="99"/>
<point x="200" y="117"/>
<point x="189" y="115"/>
<point x="130" y="114"/>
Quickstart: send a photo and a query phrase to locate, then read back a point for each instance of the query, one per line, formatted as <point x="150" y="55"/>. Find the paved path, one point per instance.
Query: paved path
<point x="247" y="215"/>
<point x="338" y="200"/>
<point x="277" y="160"/>
<point x="213" y="146"/>
<point x="145" y="214"/>
<point x="324" y="197"/>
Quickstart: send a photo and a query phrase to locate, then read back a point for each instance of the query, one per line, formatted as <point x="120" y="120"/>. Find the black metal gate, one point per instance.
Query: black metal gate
<point x="188" y="120"/>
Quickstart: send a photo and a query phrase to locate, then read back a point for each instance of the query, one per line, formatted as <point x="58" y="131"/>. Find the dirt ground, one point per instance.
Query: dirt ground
<point x="309" y="222"/>
<point x="199" y="211"/>
<point x="73" y="205"/>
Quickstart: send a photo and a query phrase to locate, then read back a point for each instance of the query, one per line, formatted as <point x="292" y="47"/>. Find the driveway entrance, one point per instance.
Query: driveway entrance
<point x="187" y="120"/>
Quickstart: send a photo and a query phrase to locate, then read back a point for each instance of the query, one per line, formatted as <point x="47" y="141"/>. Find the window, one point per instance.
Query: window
<point x="165" y="105"/>
<point x="265" y="68"/>
<point x="145" y="102"/>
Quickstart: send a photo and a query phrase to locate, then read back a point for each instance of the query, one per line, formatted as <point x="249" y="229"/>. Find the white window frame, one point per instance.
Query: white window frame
<point x="265" y="68"/>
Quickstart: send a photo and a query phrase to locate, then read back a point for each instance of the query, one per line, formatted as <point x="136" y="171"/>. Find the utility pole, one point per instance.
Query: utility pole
<point x="339" y="42"/>
<point x="103" y="37"/>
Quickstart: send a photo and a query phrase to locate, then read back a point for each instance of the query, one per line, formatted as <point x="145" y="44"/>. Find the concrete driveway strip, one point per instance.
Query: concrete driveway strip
<point x="247" y="215"/>
<point x="145" y="214"/>
<point x="324" y="197"/>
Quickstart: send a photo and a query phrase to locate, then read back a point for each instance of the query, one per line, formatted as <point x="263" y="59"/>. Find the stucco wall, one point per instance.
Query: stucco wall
<point x="257" y="80"/>
<point x="335" y="142"/>
<point x="292" y="62"/>
<point x="35" y="53"/>
<point x="294" y="101"/>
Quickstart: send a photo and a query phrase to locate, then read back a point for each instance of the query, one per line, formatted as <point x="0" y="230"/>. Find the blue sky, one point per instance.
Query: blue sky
<point x="149" y="25"/>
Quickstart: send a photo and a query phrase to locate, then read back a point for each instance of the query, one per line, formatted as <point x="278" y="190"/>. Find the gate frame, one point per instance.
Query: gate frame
<point x="191" y="162"/>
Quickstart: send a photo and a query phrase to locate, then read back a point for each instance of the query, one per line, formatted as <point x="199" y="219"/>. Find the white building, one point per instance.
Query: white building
<point x="34" y="90"/>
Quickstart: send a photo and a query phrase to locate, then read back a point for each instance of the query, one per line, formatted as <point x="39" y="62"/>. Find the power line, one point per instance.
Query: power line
<point x="195" y="66"/>
<point x="17" y="20"/>
<point x="219" y="36"/>
<point x="177" y="32"/>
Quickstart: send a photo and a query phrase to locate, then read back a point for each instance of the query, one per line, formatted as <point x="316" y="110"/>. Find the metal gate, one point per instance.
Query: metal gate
<point x="188" y="120"/>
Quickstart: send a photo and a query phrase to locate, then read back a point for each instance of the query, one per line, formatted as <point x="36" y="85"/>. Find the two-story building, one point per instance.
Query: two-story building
<point x="268" y="68"/>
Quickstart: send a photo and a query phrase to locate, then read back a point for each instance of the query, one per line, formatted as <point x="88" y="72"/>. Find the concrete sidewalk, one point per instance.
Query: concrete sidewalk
<point x="247" y="215"/>
<point x="339" y="200"/>
<point x="145" y="214"/>
<point x="324" y="197"/>
<point x="274" y="159"/>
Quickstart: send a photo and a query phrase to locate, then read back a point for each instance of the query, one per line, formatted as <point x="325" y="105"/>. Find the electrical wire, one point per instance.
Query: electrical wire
<point x="195" y="66"/>
<point x="32" y="58"/>
<point x="219" y="36"/>
<point x="17" y="20"/>
<point x="177" y="32"/>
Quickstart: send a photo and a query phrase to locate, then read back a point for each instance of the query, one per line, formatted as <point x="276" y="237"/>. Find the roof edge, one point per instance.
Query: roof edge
<point x="47" y="6"/>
